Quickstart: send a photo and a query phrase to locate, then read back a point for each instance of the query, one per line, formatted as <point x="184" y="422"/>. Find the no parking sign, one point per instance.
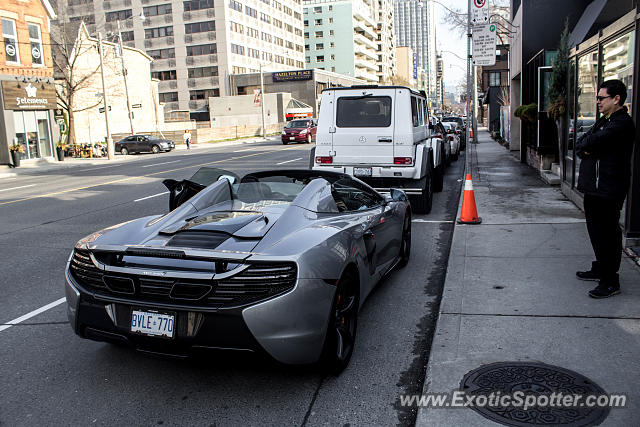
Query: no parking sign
<point x="480" y="12"/>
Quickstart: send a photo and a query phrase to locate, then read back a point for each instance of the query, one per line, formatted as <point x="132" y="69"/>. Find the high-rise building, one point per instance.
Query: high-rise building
<point x="341" y="36"/>
<point x="198" y="44"/>
<point x="440" y="80"/>
<point x="386" y="42"/>
<point x="415" y="26"/>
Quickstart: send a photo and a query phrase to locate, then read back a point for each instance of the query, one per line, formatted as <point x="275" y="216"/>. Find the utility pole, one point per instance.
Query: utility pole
<point x="475" y="104"/>
<point x="110" y="152"/>
<point x="264" y="129"/>
<point x="469" y="70"/>
<point x="124" y="77"/>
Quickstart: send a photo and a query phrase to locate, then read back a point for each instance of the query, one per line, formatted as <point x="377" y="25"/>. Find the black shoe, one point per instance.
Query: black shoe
<point x="588" y="275"/>
<point x="604" y="291"/>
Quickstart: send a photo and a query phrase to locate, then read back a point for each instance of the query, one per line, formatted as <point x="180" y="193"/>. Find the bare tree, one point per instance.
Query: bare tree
<point x="456" y="18"/>
<point x="71" y="46"/>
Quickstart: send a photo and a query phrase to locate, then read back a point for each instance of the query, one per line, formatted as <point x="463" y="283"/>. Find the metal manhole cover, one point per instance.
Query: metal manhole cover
<point x="545" y="383"/>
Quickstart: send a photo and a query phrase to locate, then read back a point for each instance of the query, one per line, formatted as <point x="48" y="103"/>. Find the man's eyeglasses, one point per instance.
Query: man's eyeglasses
<point x="600" y="98"/>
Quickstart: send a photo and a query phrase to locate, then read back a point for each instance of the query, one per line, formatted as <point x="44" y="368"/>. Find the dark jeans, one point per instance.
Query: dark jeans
<point x="602" y="215"/>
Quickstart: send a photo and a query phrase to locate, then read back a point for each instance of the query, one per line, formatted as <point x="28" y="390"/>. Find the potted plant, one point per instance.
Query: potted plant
<point x="527" y="112"/>
<point x="60" y="146"/>
<point x="557" y="91"/>
<point x="16" y="150"/>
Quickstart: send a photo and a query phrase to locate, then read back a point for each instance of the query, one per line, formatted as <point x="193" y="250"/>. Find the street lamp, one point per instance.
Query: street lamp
<point x="264" y="129"/>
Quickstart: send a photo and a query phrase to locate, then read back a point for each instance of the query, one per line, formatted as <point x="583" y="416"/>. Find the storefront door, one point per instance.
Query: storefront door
<point x="34" y="133"/>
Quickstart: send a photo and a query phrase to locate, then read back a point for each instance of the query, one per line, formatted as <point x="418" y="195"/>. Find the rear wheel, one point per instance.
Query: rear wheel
<point x="284" y="142"/>
<point x="124" y="151"/>
<point x="155" y="149"/>
<point x="405" y="245"/>
<point x="341" y="330"/>
<point x="309" y="139"/>
<point x="422" y="203"/>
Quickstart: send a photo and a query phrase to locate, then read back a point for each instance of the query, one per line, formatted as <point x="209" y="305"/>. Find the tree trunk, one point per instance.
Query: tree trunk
<point x="71" y="134"/>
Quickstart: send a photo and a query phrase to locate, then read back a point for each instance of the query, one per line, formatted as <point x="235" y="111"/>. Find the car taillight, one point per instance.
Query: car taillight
<point x="437" y="135"/>
<point x="402" y="160"/>
<point x="450" y="137"/>
<point x="324" y="159"/>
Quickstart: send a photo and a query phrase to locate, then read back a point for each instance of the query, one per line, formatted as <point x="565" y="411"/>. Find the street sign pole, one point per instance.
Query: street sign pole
<point x="468" y="124"/>
<point x="264" y="129"/>
<point x="124" y="77"/>
<point x="110" y="153"/>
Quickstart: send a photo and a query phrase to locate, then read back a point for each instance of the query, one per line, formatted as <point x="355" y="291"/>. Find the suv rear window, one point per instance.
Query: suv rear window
<point x="364" y="111"/>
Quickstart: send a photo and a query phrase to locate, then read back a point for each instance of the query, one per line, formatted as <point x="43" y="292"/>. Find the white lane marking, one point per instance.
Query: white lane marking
<point x="15" y="188"/>
<point x="289" y="161"/>
<point x="163" y="163"/>
<point x="99" y="167"/>
<point x="435" y="221"/>
<point x="32" y="314"/>
<point x="148" y="197"/>
<point x="246" y="149"/>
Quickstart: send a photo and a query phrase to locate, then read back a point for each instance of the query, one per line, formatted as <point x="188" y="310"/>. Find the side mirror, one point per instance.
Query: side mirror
<point x="398" y="195"/>
<point x="231" y="179"/>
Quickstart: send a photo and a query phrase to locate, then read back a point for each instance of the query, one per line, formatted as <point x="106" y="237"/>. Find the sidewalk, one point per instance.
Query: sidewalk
<point x="511" y="295"/>
<point x="51" y="164"/>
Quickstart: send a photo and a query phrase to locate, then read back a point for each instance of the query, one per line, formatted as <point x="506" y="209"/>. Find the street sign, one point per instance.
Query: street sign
<point x="256" y="97"/>
<point x="480" y="12"/>
<point x="484" y="45"/>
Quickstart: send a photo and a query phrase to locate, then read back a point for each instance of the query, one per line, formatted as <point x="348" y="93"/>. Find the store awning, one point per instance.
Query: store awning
<point x="588" y="18"/>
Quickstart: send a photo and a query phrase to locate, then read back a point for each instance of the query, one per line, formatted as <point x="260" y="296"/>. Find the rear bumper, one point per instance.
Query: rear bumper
<point x="290" y="328"/>
<point x="393" y="173"/>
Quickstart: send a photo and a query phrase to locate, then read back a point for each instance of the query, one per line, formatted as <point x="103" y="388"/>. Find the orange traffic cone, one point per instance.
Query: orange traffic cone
<point x="471" y="133"/>
<point x="469" y="213"/>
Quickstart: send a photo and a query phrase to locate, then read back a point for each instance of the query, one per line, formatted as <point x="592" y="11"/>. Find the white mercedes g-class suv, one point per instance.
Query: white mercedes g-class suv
<point x="381" y="135"/>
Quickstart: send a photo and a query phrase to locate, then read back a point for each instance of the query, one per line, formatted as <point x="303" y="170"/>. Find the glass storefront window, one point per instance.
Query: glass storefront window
<point x="569" y="147"/>
<point x="32" y="130"/>
<point x="587" y="79"/>
<point x="617" y="63"/>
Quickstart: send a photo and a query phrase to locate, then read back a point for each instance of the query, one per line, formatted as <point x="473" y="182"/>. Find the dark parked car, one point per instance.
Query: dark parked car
<point x="277" y="262"/>
<point x="143" y="143"/>
<point x="303" y="130"/>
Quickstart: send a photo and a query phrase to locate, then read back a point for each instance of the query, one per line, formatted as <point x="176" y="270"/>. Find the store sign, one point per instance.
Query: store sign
<point x="28" y="96"/>
<point x="484" y="45"/>
<point x="285" y="76"/>
<point x="480" y="12"/>
<point x="10" y="49"/>
<point x="257" y="98"/>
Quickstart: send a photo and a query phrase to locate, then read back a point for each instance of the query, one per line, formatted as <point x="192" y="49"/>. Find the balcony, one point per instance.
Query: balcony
<point x="158" y="21"/>
<point x="199" y="15"/>
<point x="361" y="39"/>
<point x="203" y="83"/>
<point x="196" y="105"/>
<point x="160" y="42"/>
<point x="200" y="38"/>
<point x="163" y="64"/>
<point x="202" y="60"/>
<point x="171" y="106"/>
<point x="116" y="4"/>
<point x="167" y="85"/>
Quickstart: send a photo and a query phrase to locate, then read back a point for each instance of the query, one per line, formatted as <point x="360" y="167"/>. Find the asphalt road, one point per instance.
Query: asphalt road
<point x="52" y="377"/>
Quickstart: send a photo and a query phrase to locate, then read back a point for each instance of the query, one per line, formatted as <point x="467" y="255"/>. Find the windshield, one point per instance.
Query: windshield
<point x="297" y="124"/>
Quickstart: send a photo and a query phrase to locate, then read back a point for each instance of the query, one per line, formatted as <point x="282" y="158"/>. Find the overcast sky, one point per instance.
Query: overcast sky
<point x="450" y="40"/>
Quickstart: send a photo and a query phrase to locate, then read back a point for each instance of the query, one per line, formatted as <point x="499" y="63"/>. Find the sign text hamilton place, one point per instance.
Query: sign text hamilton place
<point x="484" y="45"/>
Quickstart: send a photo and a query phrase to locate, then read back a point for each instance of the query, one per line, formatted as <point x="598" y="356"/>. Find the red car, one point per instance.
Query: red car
<point x="301" y="130"/>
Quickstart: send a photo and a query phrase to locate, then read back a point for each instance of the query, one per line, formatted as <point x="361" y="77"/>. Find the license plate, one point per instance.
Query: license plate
<point x="150" y="323"/>
<point x="362" y="171"/>
<point x="292" y="138"/>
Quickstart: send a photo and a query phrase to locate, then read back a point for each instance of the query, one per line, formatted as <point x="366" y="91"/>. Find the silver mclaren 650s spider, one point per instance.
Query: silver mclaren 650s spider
<point x="277" y="262"/>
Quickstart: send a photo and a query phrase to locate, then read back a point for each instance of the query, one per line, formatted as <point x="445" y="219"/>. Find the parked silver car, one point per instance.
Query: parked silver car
<point x="276" y="262"/>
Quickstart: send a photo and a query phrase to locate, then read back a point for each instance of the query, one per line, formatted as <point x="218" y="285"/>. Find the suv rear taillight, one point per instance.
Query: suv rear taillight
<point x="450" y="137"/>
<point x="402" y="161"/>
<point x="324" y="159"/>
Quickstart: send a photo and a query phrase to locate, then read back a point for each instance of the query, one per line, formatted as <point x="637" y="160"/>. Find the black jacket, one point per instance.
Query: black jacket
<point x="606" y="169"/>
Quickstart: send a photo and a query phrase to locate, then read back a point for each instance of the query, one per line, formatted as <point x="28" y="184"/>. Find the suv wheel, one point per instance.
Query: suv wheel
<point x="309" y="139"/>
<point x="155" y="149"/>
<point x="422" y="203"/>
<point x="124" y="151"/>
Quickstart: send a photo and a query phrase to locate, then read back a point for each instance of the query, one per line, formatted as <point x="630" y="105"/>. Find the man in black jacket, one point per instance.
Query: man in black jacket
<point x="604" y="177"/>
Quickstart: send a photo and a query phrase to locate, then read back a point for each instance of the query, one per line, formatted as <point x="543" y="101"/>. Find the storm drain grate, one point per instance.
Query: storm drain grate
<point x="532" y="379"/>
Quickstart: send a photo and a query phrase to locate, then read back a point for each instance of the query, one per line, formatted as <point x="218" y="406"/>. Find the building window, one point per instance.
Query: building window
<point x="267" y="56"/>
<point x="197" y="95"/>
<point x="168" y="97"/>
<point x="333" y="57"/>
<point x="306" y="35"/>
<point x="164" y="75"/>
<point x="306" y="22"/>
<point x="279" y="59"/>
<point x="35" y="39"/>
<point x="252" y="32"/>
<point x="266" y="37"/>
<point x="317" y="9"/>
<point x="318" y="22"/>
<point x="197" y="5"/>
<point x="161" y="9"/>
<point x="253" y="53"/>
<point x="298" y="32"/>
<point x="265" y="18"/>
<point x="127" y="36"/>
<point x="332" y="45"/>
<point x="330" y="8"/>
<point x="154" y="33"/>
<point x="87" y="19"/>
<point x="233" y="4"/>
<point x="320" y="58"/>
<point x="319" y="46"/>
<point x="196" y="73"/>
<point x="330" y="20"/>
<point x="333" y="69"/>
<point x="319" y="34"/>
<point x="330" y="32"/>
<point x="617" y="63"/>
<point x="306" y="47"/>
<point x="162" y="53"/>
<point x="199" y="27"/>
<point x="10" y="41"/>
<point x="237" y="49"/>
<point x="307" y="59"/>
<point x="251" y="12"/>
<point x="203" y="49"/>
<point x="118" y="15"/>
<point x="238" y="70"/>
<point x="235" y="27"/>
<point x="494" y="79"/>
<point x="297" y="16"/>
<point x="299" y="64"/>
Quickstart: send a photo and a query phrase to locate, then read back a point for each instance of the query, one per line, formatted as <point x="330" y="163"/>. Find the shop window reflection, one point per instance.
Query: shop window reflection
<point x="571" y="114"/>
<point x="617" y="63"/>
<point x="587" y="89"/>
